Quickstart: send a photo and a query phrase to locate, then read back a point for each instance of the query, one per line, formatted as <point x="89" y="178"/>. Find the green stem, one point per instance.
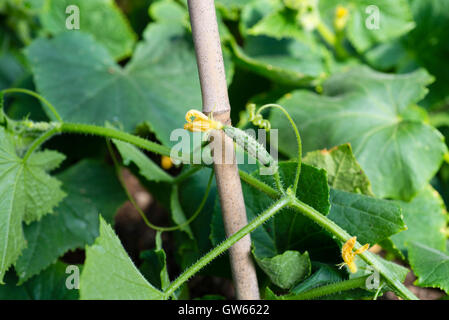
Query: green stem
<point x="326" y="34"/>
<point x="37" y="96"/>
<point x="259" y="185"/>
<point x="329" y="289"/>
<point x="184" y="176"/>
<point x="298" y="141"/>
<point x="39" y="141"/>
<point x="116" y="134"/>
<point x="201" y="263"/>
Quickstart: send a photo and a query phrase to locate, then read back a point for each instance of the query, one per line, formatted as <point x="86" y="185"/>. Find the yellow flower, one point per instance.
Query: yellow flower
<point x="200" y="122"/>
<point x="341" y="17"/>
<point x="166" y="163"/>
<point x="349" y="256"/>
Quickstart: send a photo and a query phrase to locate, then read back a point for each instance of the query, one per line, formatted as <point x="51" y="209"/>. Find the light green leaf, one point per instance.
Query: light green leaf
<point x="109" y="273"/>
<point x="394" y="20"/>
<point x="27" y="193"/>
<point x="147" y="167"/>
<point x="287" y="269"/>
<point x="371" y="111"/>
<point x="168" y="10"/>
<point x="425" y="216"/>
<point x="91" y="188"/>
<point x="100" y="18"/>
<point x="431" y="266"/>
<point x="343" y="171"/>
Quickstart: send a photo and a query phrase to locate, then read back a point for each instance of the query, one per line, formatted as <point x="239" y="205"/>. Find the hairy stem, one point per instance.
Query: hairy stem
<point x="298" y="141"/>
<point x="201" y="263"/>
<point x="39" y="141"/>
<point x="50" y="107"/>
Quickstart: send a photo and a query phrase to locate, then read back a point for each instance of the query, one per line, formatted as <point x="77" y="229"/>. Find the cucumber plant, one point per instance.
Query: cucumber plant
<point x="359" y="106"/>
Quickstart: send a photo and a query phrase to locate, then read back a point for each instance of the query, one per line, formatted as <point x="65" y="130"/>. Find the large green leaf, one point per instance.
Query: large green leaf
<point x="395" y="19"/>
<point x="92" y="188"/>
<point x="425" y="216"/>
<point x="101" y="18"/>
<point x="49" y="285"/>
<point x="27" y="193"/>
<point x="372" y="111"/>
<point x="158" y="86"/>
<point x="110" y="274"/>
<point x="431" y="266"/>
<point x="343" y="171"/>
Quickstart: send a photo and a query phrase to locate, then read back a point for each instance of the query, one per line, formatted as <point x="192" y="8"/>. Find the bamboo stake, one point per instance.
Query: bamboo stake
<point x="215" y="99"/>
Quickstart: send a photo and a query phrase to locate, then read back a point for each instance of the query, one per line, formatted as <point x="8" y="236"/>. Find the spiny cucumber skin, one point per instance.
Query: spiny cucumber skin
<point x="251" y="145"/>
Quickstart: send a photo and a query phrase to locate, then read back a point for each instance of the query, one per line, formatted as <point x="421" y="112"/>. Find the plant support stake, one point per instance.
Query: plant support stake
<point x="215" y="99"/>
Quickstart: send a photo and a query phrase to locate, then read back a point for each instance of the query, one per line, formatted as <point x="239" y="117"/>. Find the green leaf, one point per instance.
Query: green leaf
<point x="371" y="111"/>
<point x="10" y="70"/>
<point x="323" y="276"/>
<point x="343" y="171"/>
<point x="424" y="47"/>
<point x="371" y="220"/>
<point x="395" y="19"/>
<point x="158" y="86"/>
<point x="27" y="193"/>
<point x="92" y="188"/>
<point x="100" y="18"/>
<point x="425" y="217"/>
<point x="431" y="266"/>
<point x="151" y="79"/>
<point x="110" y="274"/>
<point x="287" y="269"/>
<point x="49" y="285"/>
<point x="287" y="57"/>
<point x="154" y="268"/>
<point x="231" y="8"/>
<point x="147" y="167"/>
<point x="168" y="10"/>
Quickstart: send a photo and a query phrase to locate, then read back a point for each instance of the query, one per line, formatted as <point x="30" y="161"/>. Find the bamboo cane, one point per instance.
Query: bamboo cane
<point x="215" y="99"/>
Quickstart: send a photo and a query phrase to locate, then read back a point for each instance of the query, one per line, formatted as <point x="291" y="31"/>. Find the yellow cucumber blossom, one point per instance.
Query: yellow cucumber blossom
<point x="349" y="256"/>
<point x="341" y="17"/>
<point x="199" y="122"/>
